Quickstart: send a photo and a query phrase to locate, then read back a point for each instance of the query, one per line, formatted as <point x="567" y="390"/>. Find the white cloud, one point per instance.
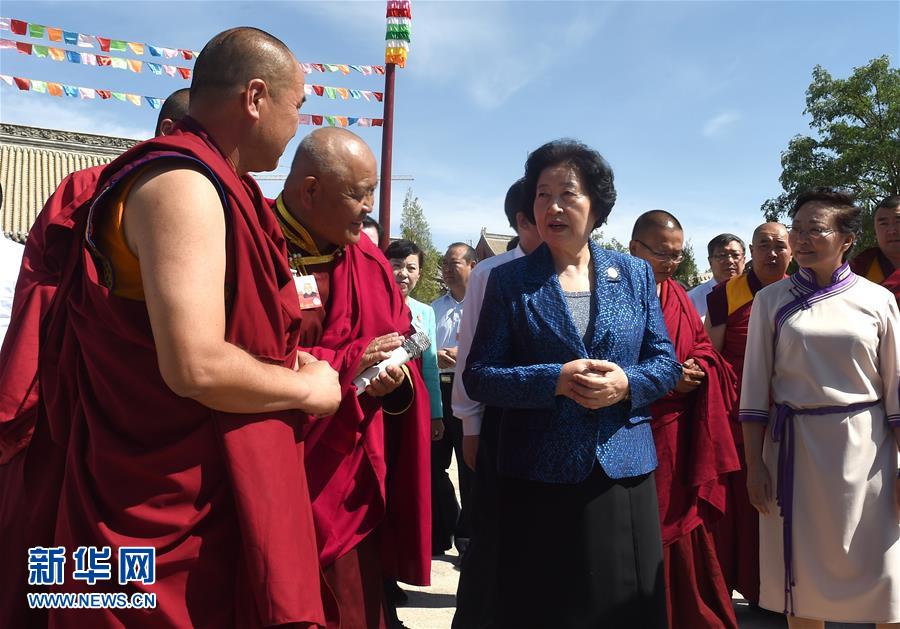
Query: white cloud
<point x="453" y="217"/>
<point x="68" y="114"/>
<point x="717" y="125"/>
<point x="475" y="44"/>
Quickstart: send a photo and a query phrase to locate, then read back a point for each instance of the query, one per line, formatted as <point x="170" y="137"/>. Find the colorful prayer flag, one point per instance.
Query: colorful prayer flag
<point x="73" y="56"/>
<point x="18" y="27"/>
<point x="187" y="54"/>
<point x="4" y="26"/>
<point x="137" y="49"/>
<point x="104" y="43"/>
<point x="88" y="59"/>
<point x="38" y="86"/>
<point x="7" y="43"/>
<point x="54" y="89"/>
<point x="54" y="34"/>
<point x="170" y="70"/>
<point x="73" y="39"/>
<point x="117" y="45"/>
<point x="154" y="51"/>
<point x="23" y="47"/>
<point x="184" y="72"/>
<point x="57" y="54"/>
<point x="70" y="91"/>
<point x="22" y="84"/>
<point x="155" y="103"/>
<point x="135" y="65"/>
<point x="170" y="53"/>
<point x="134" y="99"/>
<point x="40" y="51"/>
<point x="104" y="94"/>
<point x="119" y="63"/>
<point x="85" y="41"/>
<point x="155" y="68"/>
<point x="36" y="31"/>
<point x="86" y="92"/>
<point x="103" y="60"/>
<point x="6" y="79"/>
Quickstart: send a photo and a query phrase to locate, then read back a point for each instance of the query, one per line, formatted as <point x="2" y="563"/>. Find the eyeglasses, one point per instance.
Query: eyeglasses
<point x="813" y="234"/>
<point x="675" y="258"/>
<point x="732" y="255"/>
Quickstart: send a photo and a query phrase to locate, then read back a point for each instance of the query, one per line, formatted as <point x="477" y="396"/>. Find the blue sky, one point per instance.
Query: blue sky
<point x="691" y="102"/>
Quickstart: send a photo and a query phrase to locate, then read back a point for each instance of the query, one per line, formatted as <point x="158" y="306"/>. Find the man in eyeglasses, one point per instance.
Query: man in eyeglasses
<point x="726" y="260"/>
<point x="693" y="440"/>
<point x="728" y="315"/>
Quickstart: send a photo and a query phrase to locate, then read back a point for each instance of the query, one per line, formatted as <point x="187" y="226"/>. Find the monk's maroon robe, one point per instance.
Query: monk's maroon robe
<point x="221" y="497"/>
<point x="873" y="265"/>
<point x="737" y="533"/>
<point x="367" y="468"/>
<point x="695" y="452"/>
<point x="49" y="244"/>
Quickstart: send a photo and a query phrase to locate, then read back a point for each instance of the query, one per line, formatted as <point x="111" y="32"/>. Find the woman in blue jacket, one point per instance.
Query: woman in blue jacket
<point x="571" y="343"/>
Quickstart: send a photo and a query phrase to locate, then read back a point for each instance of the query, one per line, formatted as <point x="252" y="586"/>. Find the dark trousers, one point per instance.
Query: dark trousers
<point x="447" y="519"/>
<point x="476" y="595"/>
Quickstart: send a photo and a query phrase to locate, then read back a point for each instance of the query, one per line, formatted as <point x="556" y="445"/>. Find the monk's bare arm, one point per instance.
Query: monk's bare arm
<point x="175" y="224"/>
<point x="716" y="334"/>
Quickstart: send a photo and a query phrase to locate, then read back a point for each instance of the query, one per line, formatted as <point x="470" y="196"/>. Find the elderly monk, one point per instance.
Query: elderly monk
<point x="49" y="242"/>
<point x="367" y="464"/>
<point x="881" y="264"/>
<point x="693" y="440"/>
<point x="169" y="369"/>
<point x="729" y="304"/>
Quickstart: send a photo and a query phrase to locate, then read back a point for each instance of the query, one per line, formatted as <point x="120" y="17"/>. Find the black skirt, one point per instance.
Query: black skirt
<point x="581" y="556"/>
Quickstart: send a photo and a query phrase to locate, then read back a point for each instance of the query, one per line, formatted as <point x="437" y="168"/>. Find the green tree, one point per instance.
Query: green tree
<point x="612" y="244"/>
<point x="856" y="142"/>
<point x="414" y="227"/>
<point x="688" y="273"/>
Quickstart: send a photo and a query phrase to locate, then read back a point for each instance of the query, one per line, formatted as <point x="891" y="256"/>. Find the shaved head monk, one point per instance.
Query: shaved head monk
<point x="169" y="369"/>
<point x="728" y="314"/>
<point x="50" y="240"/>
<point x="881" y="264"/>
<point x="367" y="464"/>
<point x="690" y="424"/>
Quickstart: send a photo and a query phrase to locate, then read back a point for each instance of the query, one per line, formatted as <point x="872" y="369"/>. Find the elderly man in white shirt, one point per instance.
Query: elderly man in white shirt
<point x="477" y="590"/>
<point x="726" y="260"/>
<point x="448" y="520"/>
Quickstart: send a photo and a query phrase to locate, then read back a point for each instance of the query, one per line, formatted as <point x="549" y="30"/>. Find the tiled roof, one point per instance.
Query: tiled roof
<point x="492" y="244"/>
<point x="34" y="160"/>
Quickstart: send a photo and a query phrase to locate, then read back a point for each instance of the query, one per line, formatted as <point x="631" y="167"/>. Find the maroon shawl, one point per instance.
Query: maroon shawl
<point x="222" y="497"/>
<point x="691" y="432"/>
<point x="367" y="469"/>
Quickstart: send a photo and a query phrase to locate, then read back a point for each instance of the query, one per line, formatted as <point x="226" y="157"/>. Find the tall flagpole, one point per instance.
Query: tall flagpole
<point x="387" y="149"/>
<point x="399" y="19"/>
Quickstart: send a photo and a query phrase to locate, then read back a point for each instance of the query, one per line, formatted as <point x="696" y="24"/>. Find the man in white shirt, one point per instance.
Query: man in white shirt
<point x="10" y="261"/>
<point x="447" y="518"/>
<point x="726" y="260"/>
<point x="477" y="591"/>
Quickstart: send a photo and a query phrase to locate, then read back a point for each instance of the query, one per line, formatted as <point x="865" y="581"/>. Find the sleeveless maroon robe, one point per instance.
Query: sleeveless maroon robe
<point x="222" y="497"/>
<point x="695" y="452"/>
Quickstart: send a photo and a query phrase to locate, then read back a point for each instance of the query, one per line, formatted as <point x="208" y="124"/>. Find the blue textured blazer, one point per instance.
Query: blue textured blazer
<point x="526" y="333"/>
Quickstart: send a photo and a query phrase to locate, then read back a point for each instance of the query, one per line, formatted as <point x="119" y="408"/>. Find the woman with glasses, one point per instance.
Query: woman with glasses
<point x="821" y="417"/>
<point x="571" y="343"/>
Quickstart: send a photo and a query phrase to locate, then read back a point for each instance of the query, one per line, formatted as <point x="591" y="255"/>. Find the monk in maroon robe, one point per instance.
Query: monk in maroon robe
<point x="168" y="368"/>
<point x="367" y="464"/>
<point x="693" y="441"/>
<point x="49" y="245"/>
<point x="728" y="314"/>
<point x="881" y="264"/>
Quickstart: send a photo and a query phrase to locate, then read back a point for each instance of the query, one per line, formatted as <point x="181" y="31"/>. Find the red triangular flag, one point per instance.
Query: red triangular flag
<point x="24" y="48"/>
<point x="22" y="84"/>
<point x="184" y="72"/>
<point x="318" y="89"/>
<point x="104" y="43"/>
<point x="377" y="122"/>
<point x="18" y="27"/>
<point x="317" y="120"/>
<point x="104" y="61"/>
<point x="378" y="96"/>
<point x="104" y="94"/>
<point x="318" y="66"/>
<point x="187" y="54"/>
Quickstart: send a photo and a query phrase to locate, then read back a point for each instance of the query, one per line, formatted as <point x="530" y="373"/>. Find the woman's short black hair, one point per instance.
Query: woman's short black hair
<point x="847" y="216"/>
<point x="402" y="249"/>
<point x="596" y="174"/>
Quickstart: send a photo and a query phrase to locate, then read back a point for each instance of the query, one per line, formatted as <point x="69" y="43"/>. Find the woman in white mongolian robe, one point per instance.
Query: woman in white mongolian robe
<point x="821" y="379"/>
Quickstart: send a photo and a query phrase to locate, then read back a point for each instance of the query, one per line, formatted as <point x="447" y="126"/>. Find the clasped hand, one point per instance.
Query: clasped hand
<point x="691" y="376"/>
<point x="592" y="383"/>
<point x="379" y="349"/>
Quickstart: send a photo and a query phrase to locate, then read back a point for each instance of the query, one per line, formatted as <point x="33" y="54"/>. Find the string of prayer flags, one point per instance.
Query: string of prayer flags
<point x="399" y="32"/>
<point x="75" y="91"/>
<point x="108" y="44"/>
<point x="90" y="93"/>
<point x="90" y="59"/>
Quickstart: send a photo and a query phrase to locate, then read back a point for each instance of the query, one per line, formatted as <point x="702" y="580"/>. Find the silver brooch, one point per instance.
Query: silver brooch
<point x="612" y="274"/>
